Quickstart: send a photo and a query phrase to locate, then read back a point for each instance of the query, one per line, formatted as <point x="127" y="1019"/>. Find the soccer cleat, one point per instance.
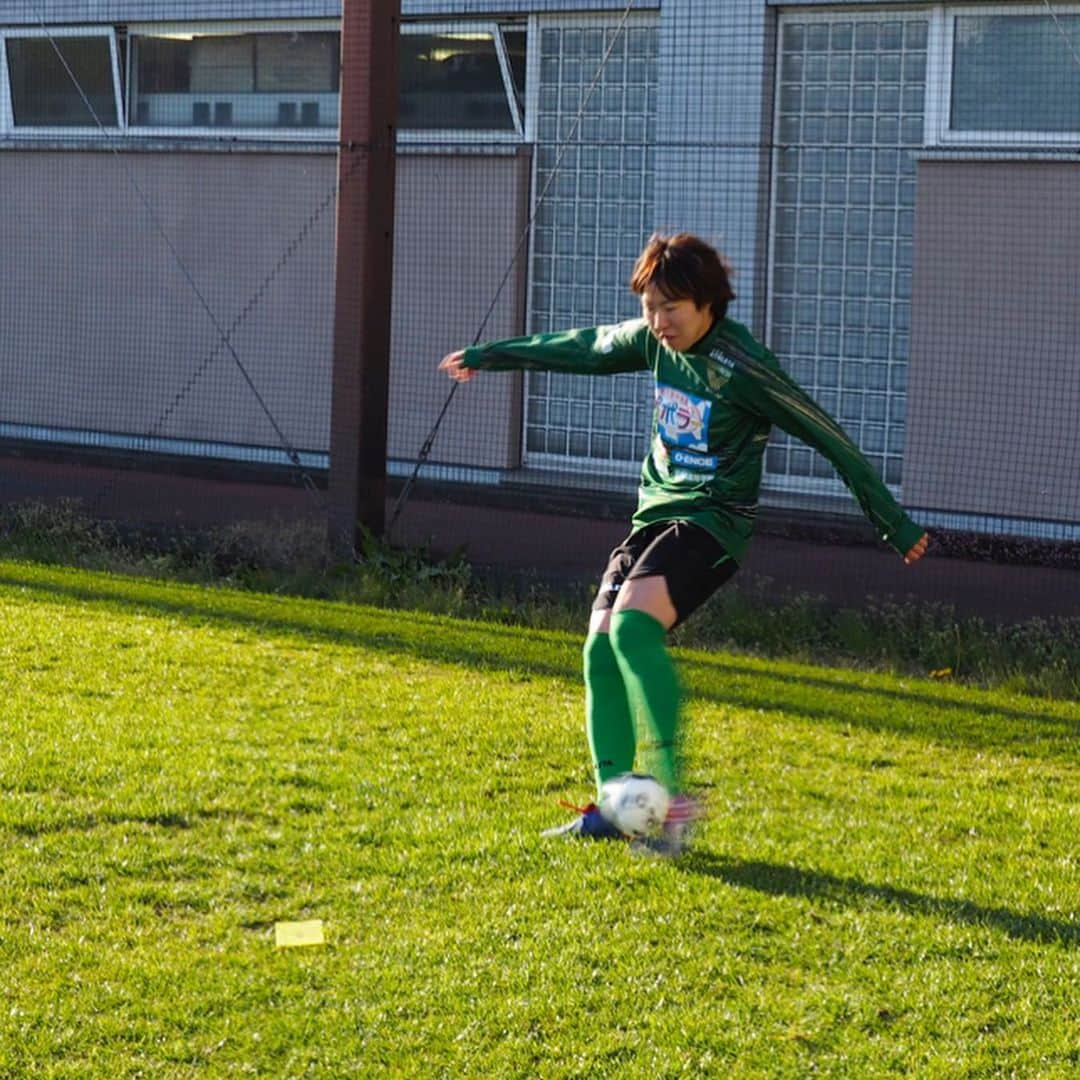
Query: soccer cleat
<point x="683" y="813"/>
<point x="589" y="823"/>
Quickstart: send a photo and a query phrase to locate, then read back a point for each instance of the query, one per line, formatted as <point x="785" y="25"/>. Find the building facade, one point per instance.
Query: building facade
<point x="897" y="187"/>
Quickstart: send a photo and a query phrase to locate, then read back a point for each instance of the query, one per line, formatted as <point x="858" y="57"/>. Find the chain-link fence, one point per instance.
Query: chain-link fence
<point x="897" y="188"/>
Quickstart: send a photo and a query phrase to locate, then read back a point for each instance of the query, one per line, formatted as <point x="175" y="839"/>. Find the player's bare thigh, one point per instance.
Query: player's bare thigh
<point x="648" y="594"/>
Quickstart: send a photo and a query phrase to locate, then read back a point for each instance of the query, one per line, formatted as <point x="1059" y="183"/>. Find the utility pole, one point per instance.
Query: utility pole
<point x="364" y="261"/>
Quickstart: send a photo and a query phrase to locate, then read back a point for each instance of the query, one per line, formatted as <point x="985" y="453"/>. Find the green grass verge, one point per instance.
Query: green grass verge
<point x="887" y="883"/>
<point x="1038" y="656"/>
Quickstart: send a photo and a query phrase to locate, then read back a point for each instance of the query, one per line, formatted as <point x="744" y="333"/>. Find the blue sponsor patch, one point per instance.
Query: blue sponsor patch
<point x="682" y="419"/>
<point x="684" y="459"/>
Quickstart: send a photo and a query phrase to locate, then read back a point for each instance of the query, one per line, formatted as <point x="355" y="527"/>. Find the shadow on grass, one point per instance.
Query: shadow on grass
<point x="840" y="701"/>
<point x="172" y="821"/>
<point x="778" y="880"/>
<point x="722" y="680"/>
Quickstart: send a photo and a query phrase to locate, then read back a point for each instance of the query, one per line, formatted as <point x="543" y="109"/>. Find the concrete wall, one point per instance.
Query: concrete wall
<point x="458" y="223"/>
<point x="994" y="381"/>
<point x="101" y="329"/>
<point x="80" y="12"/>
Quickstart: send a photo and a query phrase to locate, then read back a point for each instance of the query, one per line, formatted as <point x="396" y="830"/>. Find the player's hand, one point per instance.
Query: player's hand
<point x="452" y="365"/>
<point x="918" y="549"/>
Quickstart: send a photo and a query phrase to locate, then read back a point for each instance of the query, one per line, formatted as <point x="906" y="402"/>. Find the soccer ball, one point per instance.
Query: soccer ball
<point x="635" y="803"/>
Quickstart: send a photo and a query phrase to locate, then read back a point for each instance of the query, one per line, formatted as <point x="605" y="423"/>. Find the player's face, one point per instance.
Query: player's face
<point x="678" y="324"/>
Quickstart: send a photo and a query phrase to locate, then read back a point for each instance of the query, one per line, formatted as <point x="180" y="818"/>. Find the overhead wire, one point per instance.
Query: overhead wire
<point x="1061" y="30"/>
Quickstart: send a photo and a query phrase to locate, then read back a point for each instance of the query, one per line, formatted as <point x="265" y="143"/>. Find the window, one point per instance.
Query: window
<point x="850" y="97"/>
<point x="43" y="71"/>
<point x="1008" y="76"/>
<point x="588" y="232"/>
<point x="461" y="79"/>
<point x="185" y="79"/>
<point x="456" y="80"/>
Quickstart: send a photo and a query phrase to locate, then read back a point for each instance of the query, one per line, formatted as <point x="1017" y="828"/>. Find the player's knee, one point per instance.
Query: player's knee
<point x="635" y="634"/>
<point x="600" y="621"/>
<point x="597" y="653"/>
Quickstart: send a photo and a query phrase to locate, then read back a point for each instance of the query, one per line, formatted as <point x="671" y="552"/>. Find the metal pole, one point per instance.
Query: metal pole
<point x="364" y="260"/>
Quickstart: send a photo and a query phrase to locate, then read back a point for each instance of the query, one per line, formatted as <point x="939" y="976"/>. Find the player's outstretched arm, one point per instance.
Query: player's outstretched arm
<point x="453" y="365"/>
<point x="595" y="350"/>
<point x="918" y="549"/>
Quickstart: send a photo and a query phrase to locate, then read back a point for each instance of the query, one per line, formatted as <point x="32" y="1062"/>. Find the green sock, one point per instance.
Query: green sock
<point x="639" y="642"/>
<point x="608" y="722"/>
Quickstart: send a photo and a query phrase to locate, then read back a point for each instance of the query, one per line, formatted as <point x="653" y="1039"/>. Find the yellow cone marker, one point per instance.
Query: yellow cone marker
<point x="288" y="935"/>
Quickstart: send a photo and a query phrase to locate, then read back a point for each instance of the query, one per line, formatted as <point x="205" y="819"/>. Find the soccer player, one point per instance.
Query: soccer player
<point x="718" y="391"/>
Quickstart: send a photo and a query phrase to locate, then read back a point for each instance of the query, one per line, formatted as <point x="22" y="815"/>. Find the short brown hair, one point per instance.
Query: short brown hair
<point x="684" y="267"/>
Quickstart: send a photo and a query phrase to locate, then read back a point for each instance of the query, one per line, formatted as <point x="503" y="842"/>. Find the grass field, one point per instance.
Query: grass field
<point x="888" y="882"/>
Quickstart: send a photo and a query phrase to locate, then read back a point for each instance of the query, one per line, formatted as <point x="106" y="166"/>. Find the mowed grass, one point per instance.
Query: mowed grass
<point x="888" y="883"/>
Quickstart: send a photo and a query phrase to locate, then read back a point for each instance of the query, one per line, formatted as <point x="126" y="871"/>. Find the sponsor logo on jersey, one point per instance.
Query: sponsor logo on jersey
<point x="682" y="419"/>
<point x="721" y="358"/>
<point x="698" y="462"/>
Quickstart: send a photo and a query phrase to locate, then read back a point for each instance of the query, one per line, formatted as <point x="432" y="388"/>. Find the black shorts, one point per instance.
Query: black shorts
<point x="692" y="562"/>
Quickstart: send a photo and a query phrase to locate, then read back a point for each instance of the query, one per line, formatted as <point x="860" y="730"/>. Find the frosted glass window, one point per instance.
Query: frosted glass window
<point x="843" y="289"/>
<point x="606" y="213"/>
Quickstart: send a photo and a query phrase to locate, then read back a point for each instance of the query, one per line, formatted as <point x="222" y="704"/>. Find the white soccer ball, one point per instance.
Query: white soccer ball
<point x="635" y="803"/>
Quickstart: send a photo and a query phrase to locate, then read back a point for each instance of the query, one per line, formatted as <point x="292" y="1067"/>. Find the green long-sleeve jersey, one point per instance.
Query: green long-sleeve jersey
<point x="715" y="405"/>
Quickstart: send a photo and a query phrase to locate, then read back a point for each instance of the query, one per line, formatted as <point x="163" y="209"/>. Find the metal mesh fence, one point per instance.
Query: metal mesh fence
<point x="897" y="188"/>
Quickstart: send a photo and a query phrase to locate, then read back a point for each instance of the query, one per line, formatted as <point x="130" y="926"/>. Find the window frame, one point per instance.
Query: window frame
<point x="122" y="67"/>
<point x="941" y="54"/>
<point x="99" y="128"/>
<point x="7" y="114"/>
<point x="270" y="26"/>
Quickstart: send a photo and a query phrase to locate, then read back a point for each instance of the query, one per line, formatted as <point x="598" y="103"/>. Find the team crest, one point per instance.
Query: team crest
<point x="720" y="370"/>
